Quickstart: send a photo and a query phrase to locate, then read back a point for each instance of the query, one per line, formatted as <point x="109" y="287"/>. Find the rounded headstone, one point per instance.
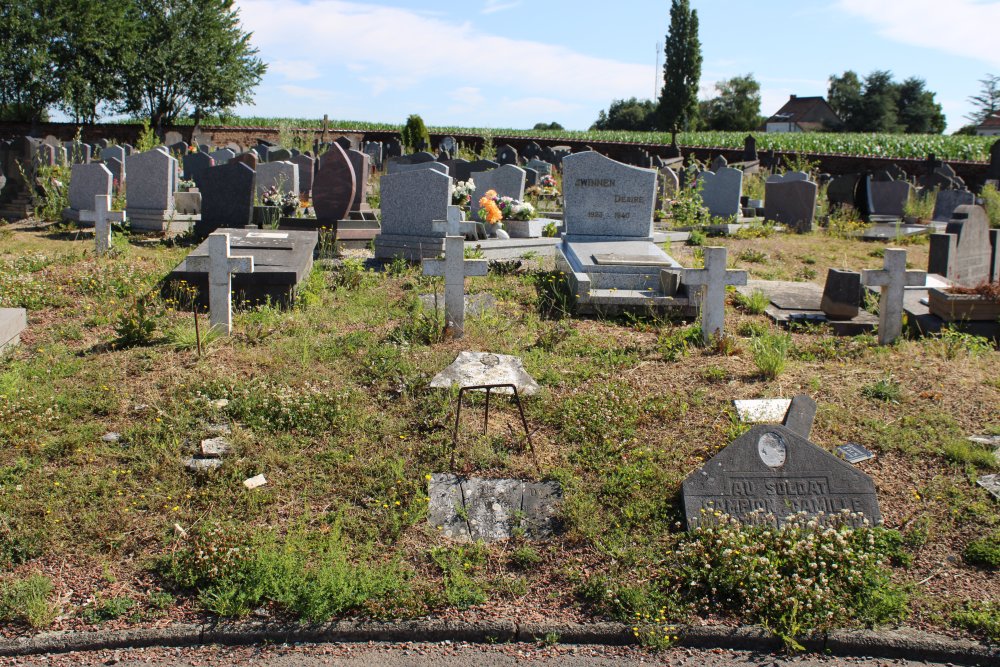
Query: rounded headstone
<point x="334" y="185"/>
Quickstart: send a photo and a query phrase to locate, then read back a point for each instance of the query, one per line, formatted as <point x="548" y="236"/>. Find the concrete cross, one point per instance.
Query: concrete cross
<point x="893" y="279"/>
<point x="220" y="266"/>
<point x="714" y="278"/>
<point x="454" y="267"/>
<point x="102" y="216"/>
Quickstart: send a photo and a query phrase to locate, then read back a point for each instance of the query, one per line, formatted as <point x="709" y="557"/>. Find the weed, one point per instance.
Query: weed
<point x="770" y="353"/>
<point x="27" y="601"/>
<point x="350" y="274"/>
<point x="108" y="610"/>
<point x="752" y="256"/>
<point x="964" y="452"/>
<point x="951" y="343"/>
<point x="697" y="237"/>
<point x="751" y="328"/>
<point x="982" y="618"/>
<point x="674" y="342"/>
<point x="137" y="326"/>
<point x="886" y="389"/>
<point x="714" y="374"/>
<point x="555" y="298"/>
<point x="755" y="303"/>
<point x="525" y="558"/>
<point x="474" y="253"/>
<point x="459" y="565"/>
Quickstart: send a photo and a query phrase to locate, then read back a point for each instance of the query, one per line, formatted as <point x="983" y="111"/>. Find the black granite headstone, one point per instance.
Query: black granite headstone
<point x="226" y="196"/>
<point x="841" y="294"/>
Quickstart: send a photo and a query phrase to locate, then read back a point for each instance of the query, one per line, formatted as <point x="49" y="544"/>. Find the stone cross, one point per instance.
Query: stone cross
<point x="220" y="265"/>
<point x="102" y="216"/>
<point x="893" y="279"/>
<point x="714" y="278"/>
<point x="454" y="267"/>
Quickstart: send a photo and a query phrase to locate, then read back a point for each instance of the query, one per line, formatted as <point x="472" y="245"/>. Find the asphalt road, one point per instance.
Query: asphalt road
<point x="438" y="655"/>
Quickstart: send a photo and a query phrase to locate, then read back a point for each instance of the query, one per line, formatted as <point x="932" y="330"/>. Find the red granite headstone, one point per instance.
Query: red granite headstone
<point x="249" y="159"/>
<point x="361" y="163"/>
<point x="334" y="185"/>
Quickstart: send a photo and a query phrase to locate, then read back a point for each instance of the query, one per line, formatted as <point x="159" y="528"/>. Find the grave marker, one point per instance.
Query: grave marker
<point x="102" y="216"/>
<point x="893" y="278"/>
<point x="454" y="267"/>
<point x="721" y="191"/>
<point x="220" y="265"/>
<point x="713" y="279"/>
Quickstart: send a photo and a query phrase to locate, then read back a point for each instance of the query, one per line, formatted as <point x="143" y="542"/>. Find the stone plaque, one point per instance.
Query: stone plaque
<point x="770" y="473"/>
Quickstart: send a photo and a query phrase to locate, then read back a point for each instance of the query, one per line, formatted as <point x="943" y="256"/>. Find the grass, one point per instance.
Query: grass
<point x="330" y="401"/>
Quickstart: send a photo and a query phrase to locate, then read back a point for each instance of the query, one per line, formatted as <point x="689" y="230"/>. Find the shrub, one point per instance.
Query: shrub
<point x="807" y="575"/>
<point x="982" y="618"/>
<point x="985" y="552"/>
<point x="138" y="326"/>
<point x="755" y="304"/>
<point x="886" y="389"/>
<point x="414" y="134"/>
<point x="673" y="343"/>
<point x="770" y="352"/>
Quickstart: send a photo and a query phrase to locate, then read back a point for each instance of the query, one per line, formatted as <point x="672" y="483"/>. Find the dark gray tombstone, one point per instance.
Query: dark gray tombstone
<point x="227" y="193"/>
<point x="279" y="154"/>
<point x="770" y="473"/>
<point x="307" y="172"/>
<point x="361" y="164"/>
<point x="791" y="201"/>
<point x="530" y="177"/>
<point x="449" y="146"/>
<point x="801" y="415"/>
<point x="531" y="151"/>
<point x="344" y="142"/>
<point x="507" y="154"/>
<point x="117" y="169"/>
<point x="842" y="294"/>
<point x="196" y="162"/>
<point x="963" y="253"/>
<point x="949" y="200"/>
<point x="77" y="152"/>
<point x="749" y="149"/>
<point x="889" y="197"/>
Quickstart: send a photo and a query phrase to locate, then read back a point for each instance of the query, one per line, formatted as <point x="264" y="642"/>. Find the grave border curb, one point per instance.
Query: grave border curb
<point x="906" y="643"/>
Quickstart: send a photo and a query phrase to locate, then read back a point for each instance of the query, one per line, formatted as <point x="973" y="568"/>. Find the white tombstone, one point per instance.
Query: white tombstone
<point x="454" y="267"/>
<point x="220" y="266"/>
<point x="713" y="279"/>
<point x="102" y="216"/>
<point x="893" y="279"/>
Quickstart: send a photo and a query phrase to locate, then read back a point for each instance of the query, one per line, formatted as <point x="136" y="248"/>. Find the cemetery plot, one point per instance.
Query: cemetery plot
<point x="315" y="439"/>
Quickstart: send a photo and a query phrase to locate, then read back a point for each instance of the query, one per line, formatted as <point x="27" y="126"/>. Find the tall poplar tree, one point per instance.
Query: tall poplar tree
<point x="681" y="69"/>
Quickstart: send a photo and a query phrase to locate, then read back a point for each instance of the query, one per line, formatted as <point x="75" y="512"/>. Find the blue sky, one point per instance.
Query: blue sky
<point x="513" y="63"/>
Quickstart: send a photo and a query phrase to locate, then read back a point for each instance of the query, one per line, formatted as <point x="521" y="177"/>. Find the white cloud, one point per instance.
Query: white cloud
<point x="398" y="52"/>
<point x="295" y="70"/>
<point x="493" y="6"/>
<point x="960" y="27"/>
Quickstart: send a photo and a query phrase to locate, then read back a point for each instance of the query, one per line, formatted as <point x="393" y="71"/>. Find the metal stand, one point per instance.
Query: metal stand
<point x="486" y="421"/>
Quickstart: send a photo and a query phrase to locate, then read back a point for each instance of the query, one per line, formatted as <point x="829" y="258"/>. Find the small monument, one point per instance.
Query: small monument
<point x="220" y="265"/>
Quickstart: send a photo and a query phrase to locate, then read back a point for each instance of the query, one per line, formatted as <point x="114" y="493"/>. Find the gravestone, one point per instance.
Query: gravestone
<point x="227" y="194"/>
<point x="771" y="473"/>
<point x="279" y="155"/>
<point x="282" y="175"/>
<point x="801" y="415"/>
<point x="173" y="137"/>
<point x="150" y="193"/>
<point x="249" y="158"/>
<point x="220" y="265"/>
<point x="86" y="182"/>
<point x="373" y="149"/>
<point x="608" y="200"/>
<point x="842" y="294"/>
<point x="842" y="190"/>
<point x="102" y="216"/>
<point x="671" y="184"/>
<point x="893" y="278"/>
<point x="720" y="162"/>
<point x="531" y="151"/>
<point x="196" y="162"/>
<point x="390" y="149"/>
<point x="963" y="253"/>
<point x="333" y="187"/>
<point x="790" y="200"/>
<point x="223" y="155"/>
<point x="889" y="197"/>
<point x="411" y="201"/>
<point x="361" y="165"/>
<point x="282" y="259"/>
<point x="541" y="166"/>
<point x="448" y="145"/>
<point x="344" y="142"/>
<point x="117" y="152"/>
<point x="949" y="200"/>
<point x="400" y="167"/>
<point x="507" y="154"/>
<point x="721" y="191"/>
<point x="489" y="510"/>
<point x="263" y="152"/>
<point x="307" y="172"/>
<point x="454" y="268"/>
<point x="507" y="180"/>
<point x="750" y="149"/>
<point x="13" y="321"/>
<point x="117" y="169"/>
<point x="178" y="148"/>
<point x="459" y="169"/>
<point x="530" y="177"/>
<point x="713" y="280"/>
<point x="77" y="152"/>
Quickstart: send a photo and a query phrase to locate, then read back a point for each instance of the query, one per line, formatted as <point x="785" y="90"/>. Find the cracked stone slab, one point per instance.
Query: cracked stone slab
<point x="471" y="369"/>
<point x="474" y="509"/>
<point x="214" y="448"/>
<point x="991" y="483"/>
<point x="198" y="464"/>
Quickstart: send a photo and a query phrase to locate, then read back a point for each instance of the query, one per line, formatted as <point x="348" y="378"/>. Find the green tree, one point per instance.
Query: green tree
<point x="844" y="97"/>
<point x="879" y="104"/>
<point x="678" y="108"/>
<point x="415" y="135"/>
<point x="187" y="56"/>
<point x="737" y="106"/>
<point x="916" y="109"/>
<point x="548" y="126"/>
<point x="632" y="114"/>
<point x="28" y="39"/>
<point x="987" y="102"/>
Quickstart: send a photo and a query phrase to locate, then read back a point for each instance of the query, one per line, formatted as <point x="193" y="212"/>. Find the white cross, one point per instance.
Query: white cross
<point x="102" y="216"/>
<point x="713" y="278"/>
<point x="220" y="266"/>
<point x="454" y="267"/>
<point x="893" y="279"/>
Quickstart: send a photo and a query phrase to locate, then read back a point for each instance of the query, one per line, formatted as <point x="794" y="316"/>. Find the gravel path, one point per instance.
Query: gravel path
<point x="434" y="655"/>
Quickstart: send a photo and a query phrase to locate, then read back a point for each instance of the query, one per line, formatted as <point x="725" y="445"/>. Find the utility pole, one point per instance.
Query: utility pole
<point x="656" y="72"/>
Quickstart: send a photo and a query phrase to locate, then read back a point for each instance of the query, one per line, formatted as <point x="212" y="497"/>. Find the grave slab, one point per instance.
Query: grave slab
<point x="472" y="369"/>
<point x="13" y="321"/>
